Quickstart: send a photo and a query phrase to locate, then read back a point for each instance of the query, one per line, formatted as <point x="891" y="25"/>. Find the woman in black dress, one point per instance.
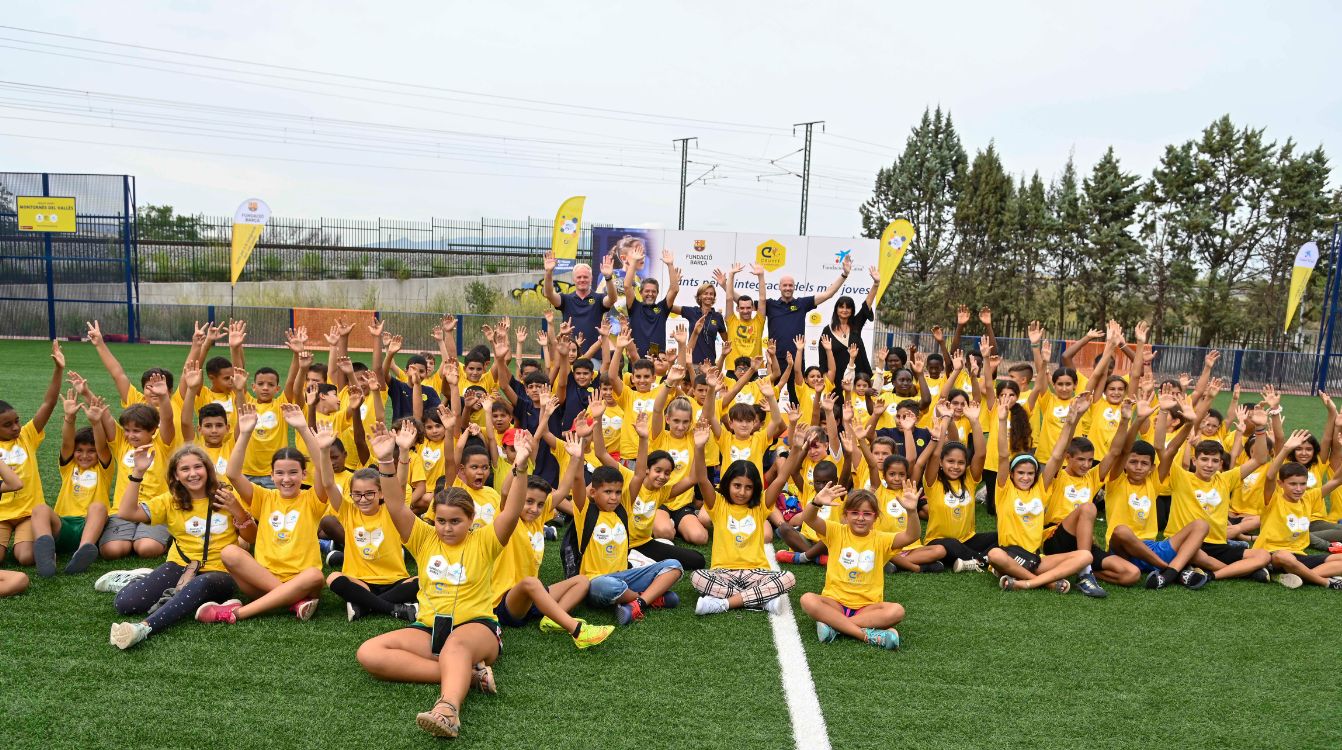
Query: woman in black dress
<point x="845" y="328"/>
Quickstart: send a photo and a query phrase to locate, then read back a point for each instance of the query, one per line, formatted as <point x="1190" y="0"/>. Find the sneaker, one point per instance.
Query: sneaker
<point x="550" y="626"/>
<point x="304" y="609"/>
<point x="1194" y="579"/>
<point x="1290" y="580"/>
<point x="775" y="605"/>
<point x="1237" y="543"/>
<point x="891" y="568"/>
<point x="886" y="638"/>
<point x="710" y="605"/>
<point x="790" y="557"/>
<point x="1062" y="587"/>
<point x="825" y="633"/>
<point x="592" y="635"/>
<point x="326" y="546"/>
<point x="405" y="612"/>
<point x="822" y="560"/>
<point x="83" y="557"/>
<point x="669" y="600"/>
<point x="626" y="614"/>
<point x="482" y="679"/>
<point x="1335" y="583"/>
<point x="1007" y="583"/>
<point x="1335" y="548"/>
<point x="967" y="566"/>
<point x="1091" y="587"/>
<point x="213" y="612"/>
<point x="1261" y="575"/>
<point x="1159" y="579"/>
<point x="353" y="611"/>
<point x="334" y="559"/>
<point x="127" y="634"/>
<point x="44" y="555"/>
<point x="936" y="566"/>
<point x="114" y="581"/>
<point x="551" y="533"/>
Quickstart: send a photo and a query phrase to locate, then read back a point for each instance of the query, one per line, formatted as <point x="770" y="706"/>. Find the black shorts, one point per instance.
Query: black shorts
<point x="677" y="515"/>
<point x="488" y="622"/>
<point x="1224" y="553"/>
<point x="1024" y="558"/>
<point x="506" y="618"/>
<point x="1061" y="541"/>
<point x="1312" y="561"/>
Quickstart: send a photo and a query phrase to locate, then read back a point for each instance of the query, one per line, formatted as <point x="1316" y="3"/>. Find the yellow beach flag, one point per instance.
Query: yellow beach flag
<point x="248" y="221"/>
<point x="1305" y="260"/>
<point x="568" y="228"/>
<point x="896" y="239"/>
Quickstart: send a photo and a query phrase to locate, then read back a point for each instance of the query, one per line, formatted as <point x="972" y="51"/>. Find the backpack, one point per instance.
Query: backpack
<point x="572" y="548"/>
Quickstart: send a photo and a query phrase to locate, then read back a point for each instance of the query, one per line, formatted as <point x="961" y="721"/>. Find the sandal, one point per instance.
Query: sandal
<point x="444" y="724"/>
<point x="482" y="679"/>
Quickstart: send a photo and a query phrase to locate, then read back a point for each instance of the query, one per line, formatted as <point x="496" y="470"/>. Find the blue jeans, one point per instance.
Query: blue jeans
<point x="606" y="590"/>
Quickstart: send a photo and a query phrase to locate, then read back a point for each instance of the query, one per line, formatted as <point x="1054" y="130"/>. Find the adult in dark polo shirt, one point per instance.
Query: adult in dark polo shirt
<point x="786" y="315"/>
<point x="647" y="314"/>
<point x="581" y="307"/>
<point x="705" y="346"/>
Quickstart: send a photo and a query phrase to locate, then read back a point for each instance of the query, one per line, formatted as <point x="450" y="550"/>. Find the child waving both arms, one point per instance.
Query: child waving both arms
<point x="1285" y="529"/>
<point x="456" y="637"/>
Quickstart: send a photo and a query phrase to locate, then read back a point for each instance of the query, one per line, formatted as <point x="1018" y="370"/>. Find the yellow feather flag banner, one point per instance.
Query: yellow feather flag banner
<point x="895" y="240"/>
<point x="1305" y="260"/>
<point x="248" y="221"/>
<point x="568" y="229"/>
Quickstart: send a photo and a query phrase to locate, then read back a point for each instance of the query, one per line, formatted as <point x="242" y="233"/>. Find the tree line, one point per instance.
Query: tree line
<point x="1202" y="247"/>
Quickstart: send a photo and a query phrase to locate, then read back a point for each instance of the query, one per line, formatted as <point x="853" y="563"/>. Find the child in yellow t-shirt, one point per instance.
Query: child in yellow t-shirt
<point x="18" y="449"/>
<point x="74" y="525"/>
<point x="1285" y="528"/>
<point x="372" y="578"/>
<point x="853" y="600"/>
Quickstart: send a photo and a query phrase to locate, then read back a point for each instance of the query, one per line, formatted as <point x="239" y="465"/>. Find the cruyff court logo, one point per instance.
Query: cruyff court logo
<point x="771" y="254"/>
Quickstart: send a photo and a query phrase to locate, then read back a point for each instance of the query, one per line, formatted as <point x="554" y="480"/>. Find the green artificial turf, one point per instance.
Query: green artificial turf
<point x="1235" y="665"/>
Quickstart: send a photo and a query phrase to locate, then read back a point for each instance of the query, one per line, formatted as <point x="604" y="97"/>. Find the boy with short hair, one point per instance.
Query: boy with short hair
<point x="19" y="443"/>
<point x="1285" y="528"/>
<point x="74" y="525"/>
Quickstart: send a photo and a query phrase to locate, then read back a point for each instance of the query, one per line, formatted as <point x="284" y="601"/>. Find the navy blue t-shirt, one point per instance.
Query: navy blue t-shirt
<point x="921" y="439"/>
<point x="584" y="313"/>
<point x="402" y="405"/>
<point x="647" y="324"/>
<point x="706" y="347"/>
<point x="787" y="320"/>
<point x="527" y="416"/>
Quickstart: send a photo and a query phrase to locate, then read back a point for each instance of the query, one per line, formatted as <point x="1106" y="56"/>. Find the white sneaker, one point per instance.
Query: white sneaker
<point x="710" y="605"/>
<point x="115" y="580"/>
<point x="1290" y="580"/>
<point x="127" y="634"/>
<point x="775" y="605"/>
<point x="967" y="566"/>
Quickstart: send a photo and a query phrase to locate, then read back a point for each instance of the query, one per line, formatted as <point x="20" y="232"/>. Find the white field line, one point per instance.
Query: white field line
<point x="803" y="705"/>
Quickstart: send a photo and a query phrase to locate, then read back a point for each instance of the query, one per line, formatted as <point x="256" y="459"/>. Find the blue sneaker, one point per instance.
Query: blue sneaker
<point x="326" y="546"/>
<point x="886" y="638"/>
<point x="626" y="614"/>
<point x="825" y="632"/>
<point x="669" y="600"/>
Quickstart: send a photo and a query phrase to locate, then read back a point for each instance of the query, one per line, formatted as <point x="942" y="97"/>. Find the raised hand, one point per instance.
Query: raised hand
<point x="237" y="333"/>
<point x="1035" y="332"/>
<point x="407" y="435"/>
<point x="702" y="432"/>
<point x="70" y="404"/>
<point x="1271" y="397"/>
<point x="382" y="443"/>
<point x="548" y="261"/>
<point x="938" y="334"/>
<point x="376" y="328"/>
<point x="986" y="315"/>
<point x="141" y="459"/>
<point x="830" y="494"/>
<point x="325" y="436"/>
<point x="972" y="410"/>
<point x="1141" y="331"/>
<point x="293" y="415"/>
<point x="57" y="355"/>
<point x="962" y="315"/>
<point x="247" y="416"/>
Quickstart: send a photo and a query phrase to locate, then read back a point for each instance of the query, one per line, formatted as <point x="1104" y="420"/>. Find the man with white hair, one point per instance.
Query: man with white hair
<point x="580" y="307"/>
<point x="787" y="314"/>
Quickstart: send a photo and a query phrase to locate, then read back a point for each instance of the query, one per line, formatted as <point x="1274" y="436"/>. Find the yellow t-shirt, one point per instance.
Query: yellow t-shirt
<point x="749" y="394"/>
<point x="522" y="555"/>
<point x="934" y="388"/>
<point x="431" y="459"/>
<point x="1051" y="413"/>
<point x="415" y="474"/>
<point x="613" y="423"/>
<point x="1100" y="424"/>
<point x="855" y="575"/>
<point x="1020" y="516"/>
<point x="631" y="404"/>
<point x="950" y="514"/>
<point x="608" y="549"/>
<point x="990" y="427"/>
<point x="270" y="435"/>
<point x="643" y="508"/>
<point x="1248" y="501"/>
<point x="21" y="456"/>
<point x="136" y="396"/>
<point x="286" y="530"/>
<point x="1286" y="524"/>
<point x="487" y="501"/>
<point x="1134" y="506"/>
<point x="681" y="450"/>
<point x="1192" y="498"/>
<point x="155" y="477"/>
<point x="752" y="448"/>
<point x="738" y="535"/>
<point x="894" y="518"/>
<point x="188" y="529"/>
<point x="80" y="488"/>
<point x="745" y="335"/>
<point x="454" y="581"/>
<point x="341" y="425"/>
<point x="371" y="552"/>
<point x="1067" y="493"/>
<point x="218" y="456"/>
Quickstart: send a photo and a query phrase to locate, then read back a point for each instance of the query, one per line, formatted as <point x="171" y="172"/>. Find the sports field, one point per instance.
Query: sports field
<point x="1237" y="664"/>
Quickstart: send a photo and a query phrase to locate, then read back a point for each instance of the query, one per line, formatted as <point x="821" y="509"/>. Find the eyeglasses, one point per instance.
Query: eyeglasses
<point x="863" y="514"/>
<point x="371" y="495"/>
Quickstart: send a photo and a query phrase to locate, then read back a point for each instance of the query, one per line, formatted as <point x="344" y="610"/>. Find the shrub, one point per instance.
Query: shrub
<point x="481" y="297"/>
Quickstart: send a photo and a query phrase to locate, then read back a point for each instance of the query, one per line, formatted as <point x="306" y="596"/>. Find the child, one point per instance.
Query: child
<point x="203" y="517"/>
<point x="519" y="596"/>
<point x="18" y="450"/>
<point x="12" y="582"/>
<point x="81" y="509"/>
<point x="741" y="576"/>
<point x="286" y="569"/>
<point x="949" y="479"/>
<point x="639" y="397"/>
<point x="670" y="432"/>
<point x="853" y="600"/>
<point x="142" y="425"/>
<point x="456" y="637"/>
<point x="604" y="519"/>
<point x="1285" y="530"/>
<point x="1020" y="522"/>
<point x="214" y="435"/>
<point x="372" y="577"/>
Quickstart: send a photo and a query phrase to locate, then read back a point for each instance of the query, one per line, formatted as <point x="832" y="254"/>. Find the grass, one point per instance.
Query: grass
<point x="1235" y="665"/>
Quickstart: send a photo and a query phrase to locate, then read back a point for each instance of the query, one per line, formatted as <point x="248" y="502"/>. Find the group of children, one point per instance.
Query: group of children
<point x="486" y="456"/>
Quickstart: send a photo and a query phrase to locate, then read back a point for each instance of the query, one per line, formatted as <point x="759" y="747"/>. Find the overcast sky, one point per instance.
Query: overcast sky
<point x="458" y="110"/>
